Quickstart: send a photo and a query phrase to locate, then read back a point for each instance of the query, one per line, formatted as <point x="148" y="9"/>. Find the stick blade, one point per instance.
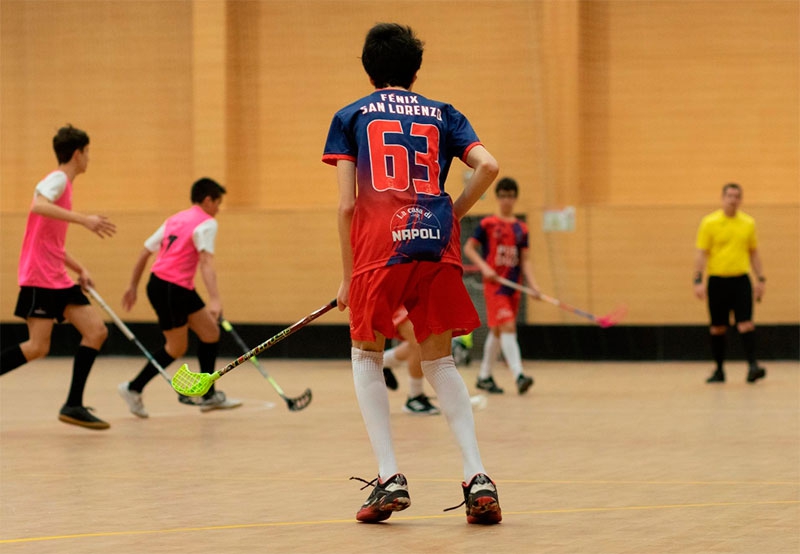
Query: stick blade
<point x="191" y="384"/>
<point x="613" y="317"/>
<point x="299" y="403"/>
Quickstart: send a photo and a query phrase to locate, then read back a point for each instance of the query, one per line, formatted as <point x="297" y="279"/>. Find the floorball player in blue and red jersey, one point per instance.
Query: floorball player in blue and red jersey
<point x="399" y="236"/>
<point x="503" y="240"/>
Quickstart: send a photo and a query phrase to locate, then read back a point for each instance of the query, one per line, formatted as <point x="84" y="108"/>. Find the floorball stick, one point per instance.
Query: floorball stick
<point x="127" y="332"/>
<point x="295" y="404"/>
<point x="608" y="320"/>
<point x="197" y="384"/>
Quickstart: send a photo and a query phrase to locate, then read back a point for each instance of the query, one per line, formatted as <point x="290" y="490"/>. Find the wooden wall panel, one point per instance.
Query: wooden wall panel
<point x="635" y="112"/>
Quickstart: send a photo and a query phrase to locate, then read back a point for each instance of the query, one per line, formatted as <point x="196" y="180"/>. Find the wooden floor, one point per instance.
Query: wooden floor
<point x="597" y="458"/>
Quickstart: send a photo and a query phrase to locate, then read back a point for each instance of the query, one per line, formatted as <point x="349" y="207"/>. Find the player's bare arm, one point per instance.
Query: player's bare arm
<point x="209" y="274"/>
<point x="485" y="170"/>
<point x="98" y="224"/>
<point x="346" y="177"/>
<point x="758" y="269"/>
<point x="130" y="295"/>
<point x="527" y="269"/>
<point x="471" y="252"/>
<point x="700" y="259"/>
<point x="84" y="278"/>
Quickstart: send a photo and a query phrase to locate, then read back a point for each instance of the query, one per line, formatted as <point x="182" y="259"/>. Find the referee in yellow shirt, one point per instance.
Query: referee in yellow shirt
<point x="726" y="248"/>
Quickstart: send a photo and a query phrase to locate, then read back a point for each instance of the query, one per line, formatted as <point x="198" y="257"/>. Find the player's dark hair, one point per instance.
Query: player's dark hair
<point x="392" y="55"/>
<point x="67" y="140"/>
<point x="206" y="187"/>
<point x="506" y="184"/>
<point x="731" y="186"/>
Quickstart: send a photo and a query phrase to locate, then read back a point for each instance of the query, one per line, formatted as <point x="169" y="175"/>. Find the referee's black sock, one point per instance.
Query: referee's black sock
<point x="11" y="358"/>
<point x="149" y="371"/>
<point x="84" y="359"/>
<point x="718" y="343"/>
<point x="207" y="358"/>
<point x="749" y="347"/>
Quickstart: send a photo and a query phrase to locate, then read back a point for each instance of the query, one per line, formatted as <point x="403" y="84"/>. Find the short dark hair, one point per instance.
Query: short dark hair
<point x="206" y="187"/>
<point x="506" y="184"/>
<point x="731" y="186"/>
<point x="392" y="55"/>
<point x="67" y="140"/>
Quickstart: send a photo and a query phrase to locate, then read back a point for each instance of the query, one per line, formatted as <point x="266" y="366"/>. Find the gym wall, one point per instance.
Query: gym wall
<point x="636" y="113"/>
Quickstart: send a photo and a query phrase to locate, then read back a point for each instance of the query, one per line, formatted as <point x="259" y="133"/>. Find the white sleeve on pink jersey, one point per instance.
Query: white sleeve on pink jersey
<point x="52" y="186"/>
<point x="153" y="244"/>
<point x="204" y="236"/>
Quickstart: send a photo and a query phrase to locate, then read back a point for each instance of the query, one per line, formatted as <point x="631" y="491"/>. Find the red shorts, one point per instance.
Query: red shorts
<point x="432" y="292"/>
<point x="500" y="307"/>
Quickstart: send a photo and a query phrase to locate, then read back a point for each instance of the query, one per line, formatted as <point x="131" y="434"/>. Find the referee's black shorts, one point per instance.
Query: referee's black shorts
<point x="730" y="294"/>
<point x="173" y="303"/>
<point x="48" y="303"/>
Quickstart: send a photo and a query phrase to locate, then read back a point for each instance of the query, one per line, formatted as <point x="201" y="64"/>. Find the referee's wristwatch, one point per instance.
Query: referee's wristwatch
<point x="761" y="279"/>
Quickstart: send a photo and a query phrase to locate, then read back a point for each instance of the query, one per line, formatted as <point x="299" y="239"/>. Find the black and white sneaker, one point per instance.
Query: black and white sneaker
<point x="755" y="373"/>
<point x="480" y="496"/>
<point x="488" y="385"/>
<point x="524" y="383"/>
<point x="420" y="405"/>
<point x="387" y="497"/>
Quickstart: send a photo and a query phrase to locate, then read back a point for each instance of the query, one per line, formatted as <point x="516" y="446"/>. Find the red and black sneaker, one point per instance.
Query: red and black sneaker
<point x="387" y="497"/>
<point x="480" y="496"/>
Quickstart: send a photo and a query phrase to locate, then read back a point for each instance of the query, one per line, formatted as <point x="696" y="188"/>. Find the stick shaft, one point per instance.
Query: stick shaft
<point x="277" y="338"/>
<point x="243" y="345"/>
<point x="541" y="296"/>
<point x="127" y="332"/>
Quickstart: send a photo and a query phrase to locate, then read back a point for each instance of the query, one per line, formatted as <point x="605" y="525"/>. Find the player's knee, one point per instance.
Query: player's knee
<point x="718" y="329"/>
<point x="745" y="326"/>
<point x="36" y="349"/>
<point x="97" y="335"/>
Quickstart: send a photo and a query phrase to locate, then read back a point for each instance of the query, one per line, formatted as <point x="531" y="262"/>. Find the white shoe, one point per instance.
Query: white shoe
<point x="219" y="402"/>
<point x="133" y="399"/>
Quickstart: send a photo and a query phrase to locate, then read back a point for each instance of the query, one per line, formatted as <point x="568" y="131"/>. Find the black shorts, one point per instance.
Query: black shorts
<point x="730" y="294"/>
<point x="173" y="303"/>
<point x="48" y="303"/>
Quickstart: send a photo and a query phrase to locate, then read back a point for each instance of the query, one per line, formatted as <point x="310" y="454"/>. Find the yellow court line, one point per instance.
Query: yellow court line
<point x="396" y="518"/>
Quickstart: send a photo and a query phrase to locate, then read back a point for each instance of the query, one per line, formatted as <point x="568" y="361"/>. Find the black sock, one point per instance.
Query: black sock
<point x="84" y="359"/>
<point x="718" y="350"/>
<point x="149" y="371"/>
<point x="11" y="358"/>
<point x="749" y="347"/>
<point x="207" y="358"/>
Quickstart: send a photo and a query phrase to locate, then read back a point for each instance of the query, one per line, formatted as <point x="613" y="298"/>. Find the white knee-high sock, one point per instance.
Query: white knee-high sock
<point x="416" y="386"/>
<point x="490" y="351"/>
<point x="454" y="401"/>
<point x="510" y="348"/>
<point x="374" y="403"/>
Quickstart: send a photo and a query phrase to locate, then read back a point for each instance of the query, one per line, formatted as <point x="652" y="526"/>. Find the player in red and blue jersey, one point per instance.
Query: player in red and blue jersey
<point x="504" y="243"/>
<point x="399" y="237"/>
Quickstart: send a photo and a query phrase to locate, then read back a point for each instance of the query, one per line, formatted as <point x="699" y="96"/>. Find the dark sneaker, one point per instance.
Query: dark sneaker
<point x="524" y="383"/>
<point x="755" y="374"/>
<point x="385" y="498"/>
<point x="420" y="405"/>
<point x="79" y="415"/>
<point x="190" y="400"/>
<point x="391" y="380"/>
<point x="480" y="496"/>
<point x="489" y="385"/>
<point x="717" y="377"/>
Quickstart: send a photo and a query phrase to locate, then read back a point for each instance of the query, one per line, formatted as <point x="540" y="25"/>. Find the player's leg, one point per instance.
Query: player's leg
<point x="719" y="312"/>
<point x="93" y="332"/>
<point x="207" y="331"/>
<point x="418" y="402"/>
<point x="37" y="346"/>
<point x="370" y="322"/>
<point x="443" y="303"/>
<point x="509" y="345"/>
<point x="743" y="312"/>
<point x="39" y="309"/>
<point x="491" y="349"/>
